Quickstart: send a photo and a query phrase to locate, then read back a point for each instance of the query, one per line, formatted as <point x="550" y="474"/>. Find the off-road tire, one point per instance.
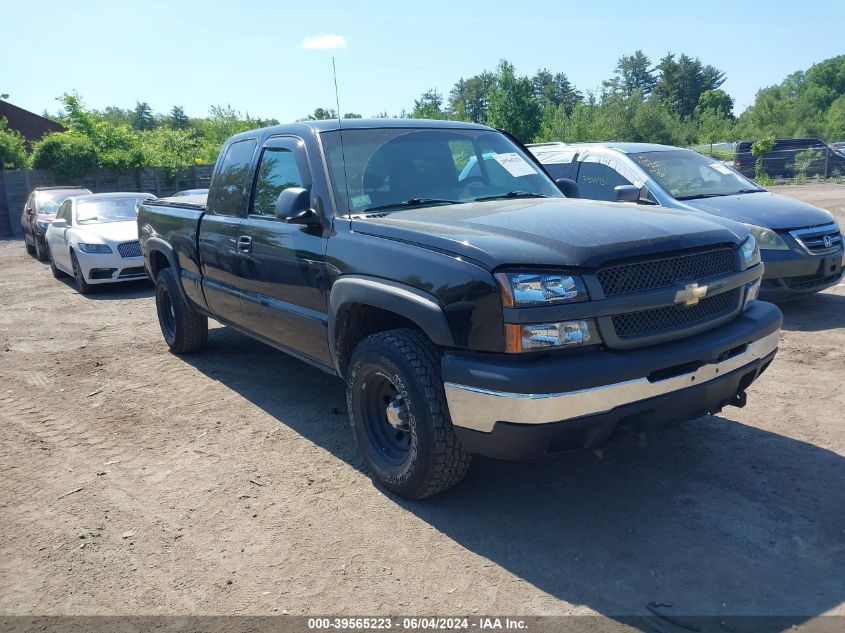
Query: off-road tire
<point x="435" y="460"/>
<point x="82" y="286"/>
<point x="185" y="329"/>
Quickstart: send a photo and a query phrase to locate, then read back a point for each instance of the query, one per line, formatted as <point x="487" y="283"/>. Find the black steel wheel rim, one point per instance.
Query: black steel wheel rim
<point x="392" y="445"/>
<point x="166" y="314"/>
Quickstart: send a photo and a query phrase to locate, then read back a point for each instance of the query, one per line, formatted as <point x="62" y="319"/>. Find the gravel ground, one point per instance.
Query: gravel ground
<point x="136" y="482"/>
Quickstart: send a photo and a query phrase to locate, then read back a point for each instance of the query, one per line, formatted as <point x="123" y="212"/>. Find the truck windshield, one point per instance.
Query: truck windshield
<point x="687" y="175"/>
<point x="395" y="168"/>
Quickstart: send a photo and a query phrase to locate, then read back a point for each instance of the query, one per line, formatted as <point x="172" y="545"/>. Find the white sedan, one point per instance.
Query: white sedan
<point x="94" y="239"/>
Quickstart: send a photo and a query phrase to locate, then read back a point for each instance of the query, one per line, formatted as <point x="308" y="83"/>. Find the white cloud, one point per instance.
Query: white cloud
<point x="324" y="42"/>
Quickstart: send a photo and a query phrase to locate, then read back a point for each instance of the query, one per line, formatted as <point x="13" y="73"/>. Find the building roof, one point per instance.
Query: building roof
<point x="32" y="126"/>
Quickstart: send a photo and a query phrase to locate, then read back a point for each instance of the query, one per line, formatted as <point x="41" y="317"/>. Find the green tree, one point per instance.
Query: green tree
<point x="681" y="82"/>
<point x="634" y="73"/>
<point x="177" y="119"/>
<point x="428" y="106"/>
<point x="70" y="155"/>
<point x="551" y="90"/>
<point x="758" y="148"/>
<point x="12" y="147"/>
<point x="142" y="116"/>
<point x="469" y="99"/>
<point x="512" y="104"/>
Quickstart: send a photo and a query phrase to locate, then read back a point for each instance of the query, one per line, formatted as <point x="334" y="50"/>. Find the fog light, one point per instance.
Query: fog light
<point x="751" y="292"/>
<point x="537" y="336"/>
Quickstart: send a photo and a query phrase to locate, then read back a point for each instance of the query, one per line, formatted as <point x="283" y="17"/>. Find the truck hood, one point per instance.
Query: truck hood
<point x="551" y="232"/>
<point x="763" y="209"/>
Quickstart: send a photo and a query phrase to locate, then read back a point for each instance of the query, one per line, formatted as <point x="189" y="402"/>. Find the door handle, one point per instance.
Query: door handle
<point x="245" y="244"/>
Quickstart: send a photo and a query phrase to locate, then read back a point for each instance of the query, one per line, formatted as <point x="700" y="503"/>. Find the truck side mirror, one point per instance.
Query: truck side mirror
<point x="627" y="193"/>
<point x="568" y="187"/>
<point x="294" y="206"/>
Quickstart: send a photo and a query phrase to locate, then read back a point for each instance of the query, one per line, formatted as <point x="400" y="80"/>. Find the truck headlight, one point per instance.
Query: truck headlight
<point x="534" y="288"/>
<point x="767" y="239"/>
<point x="749" y="252"/>
<point x="94" y="248"/>
<point x="538" y="336"/>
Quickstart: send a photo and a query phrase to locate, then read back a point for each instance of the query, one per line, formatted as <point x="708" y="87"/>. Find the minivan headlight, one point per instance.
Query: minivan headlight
<point x="536" y="288"/>
<point x="749" y="252"/>
<point x="767" y="239"/>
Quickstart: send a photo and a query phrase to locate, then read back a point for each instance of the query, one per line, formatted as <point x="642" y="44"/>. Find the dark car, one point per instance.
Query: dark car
<point x="826" y="161"/>
<point x="801" y="244"/>
<point x="39" y="210"/>
<point x="478" y="313"/>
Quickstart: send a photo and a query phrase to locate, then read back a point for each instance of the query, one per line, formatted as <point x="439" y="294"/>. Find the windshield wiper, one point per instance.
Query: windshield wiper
<point x="410" y="202"/>
<point x="512" y="194"/>
<point x="718" y="195"/>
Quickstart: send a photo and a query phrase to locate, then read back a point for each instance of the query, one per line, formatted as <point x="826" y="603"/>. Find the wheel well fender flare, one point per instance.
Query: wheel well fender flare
<point x="415" y="305"/>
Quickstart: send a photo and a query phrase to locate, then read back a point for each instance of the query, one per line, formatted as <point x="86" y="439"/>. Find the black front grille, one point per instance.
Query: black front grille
<point x="130" y="249"/>
<point x="131" y="272"/>
<point x="659" y="320"/>
<point x="664" y="273"/>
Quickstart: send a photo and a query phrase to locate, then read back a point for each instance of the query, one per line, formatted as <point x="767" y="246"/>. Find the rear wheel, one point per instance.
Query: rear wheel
<point x="30" y="249"/>
<point x="78" y="276"/>
<point x="40" y="251"/>
<point x="399" y="415"/>
<point x="185" y="330"/>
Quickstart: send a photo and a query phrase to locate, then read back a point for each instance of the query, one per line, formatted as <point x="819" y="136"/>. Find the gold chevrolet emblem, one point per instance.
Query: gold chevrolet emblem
<point x="691" y="294"/>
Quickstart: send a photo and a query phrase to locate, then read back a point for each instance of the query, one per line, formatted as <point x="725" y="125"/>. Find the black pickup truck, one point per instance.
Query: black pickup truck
<point x="469" y="306"/>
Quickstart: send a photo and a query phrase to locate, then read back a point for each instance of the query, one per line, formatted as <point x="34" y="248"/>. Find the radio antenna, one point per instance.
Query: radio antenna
<point x="340" y="131"/>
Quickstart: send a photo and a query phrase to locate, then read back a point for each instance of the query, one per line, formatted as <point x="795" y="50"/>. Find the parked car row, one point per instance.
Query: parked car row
<point x="801" y="244"/>
<point x="92" y="238"/>
<point x="476" y="296"/>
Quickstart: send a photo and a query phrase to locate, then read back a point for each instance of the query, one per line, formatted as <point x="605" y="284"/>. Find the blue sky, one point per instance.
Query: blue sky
<point x="250" y="53"/>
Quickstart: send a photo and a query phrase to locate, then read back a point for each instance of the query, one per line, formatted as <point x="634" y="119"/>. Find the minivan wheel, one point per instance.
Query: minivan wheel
<point x="82" y="286"/>
<point x="399" y="415"/>
<point x="185" y="330"/>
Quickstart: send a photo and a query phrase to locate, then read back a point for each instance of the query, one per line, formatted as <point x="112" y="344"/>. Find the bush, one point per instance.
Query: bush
<point x="70" y="155"/>
<point x="12" y="148"/>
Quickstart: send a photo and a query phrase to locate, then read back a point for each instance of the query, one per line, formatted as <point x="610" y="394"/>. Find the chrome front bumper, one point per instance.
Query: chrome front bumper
<point x="480" y="409"/>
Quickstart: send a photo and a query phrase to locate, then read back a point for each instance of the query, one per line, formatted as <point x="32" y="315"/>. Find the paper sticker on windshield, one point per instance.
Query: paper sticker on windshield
<point x="722" y="169"/>
<point x="360" y="201"/>
<point x="515" y="164"/>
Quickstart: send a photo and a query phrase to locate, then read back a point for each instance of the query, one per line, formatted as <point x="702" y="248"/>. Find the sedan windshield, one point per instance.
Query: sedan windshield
<point x="50" y="201"/>
<point x="687" y="175"/>
<point x="390" y="169"/>
<point x="107" y="210"/>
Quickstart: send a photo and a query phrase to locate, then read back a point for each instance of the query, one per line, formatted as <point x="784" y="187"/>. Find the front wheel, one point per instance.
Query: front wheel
<point x="399" y="415"/>
<point x="82" y="286"/>
<point x="185" y="330"/>
<point x="58" y="274"/>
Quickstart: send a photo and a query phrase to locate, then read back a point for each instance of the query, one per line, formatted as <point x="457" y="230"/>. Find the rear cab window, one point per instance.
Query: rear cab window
<point x="226" y="196"/>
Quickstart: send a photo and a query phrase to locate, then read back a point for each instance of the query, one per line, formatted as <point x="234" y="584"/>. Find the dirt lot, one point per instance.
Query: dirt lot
<point x="136" y="482"/>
